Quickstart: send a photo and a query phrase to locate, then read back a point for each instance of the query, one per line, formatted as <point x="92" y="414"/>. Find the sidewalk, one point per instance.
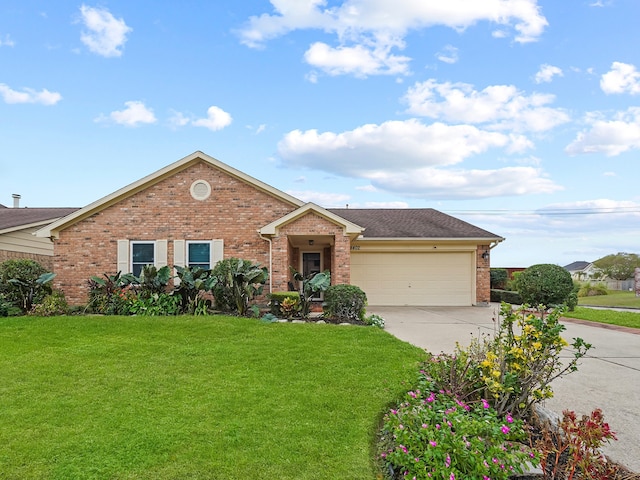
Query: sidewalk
<point x="607" y="378"/>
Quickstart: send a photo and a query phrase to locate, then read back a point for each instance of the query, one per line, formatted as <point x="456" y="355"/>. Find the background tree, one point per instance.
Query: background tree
<point x="620" y="266"/>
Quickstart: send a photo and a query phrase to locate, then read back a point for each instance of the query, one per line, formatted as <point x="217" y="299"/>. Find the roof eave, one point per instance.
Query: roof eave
<point x="28" y="225"/>
<point x="350" y="229"/>
<point x="433" y="239"/>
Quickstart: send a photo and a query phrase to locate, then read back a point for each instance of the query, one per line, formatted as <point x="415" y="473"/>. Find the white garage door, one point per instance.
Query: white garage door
<point x="435" y="279"/>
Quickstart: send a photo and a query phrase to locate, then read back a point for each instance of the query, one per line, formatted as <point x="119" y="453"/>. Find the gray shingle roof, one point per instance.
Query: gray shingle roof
<point x="410" y="223"/>
<point x="576" y="266"/>
<point x="15" y="217"/>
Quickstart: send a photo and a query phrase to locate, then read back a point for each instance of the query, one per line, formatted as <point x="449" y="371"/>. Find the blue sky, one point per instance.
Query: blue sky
<point x="519" y="116"/>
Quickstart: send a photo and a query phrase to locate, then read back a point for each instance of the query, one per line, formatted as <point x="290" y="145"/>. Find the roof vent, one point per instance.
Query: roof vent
<point x="16" y="200"/>
<point x="200" y="190"/>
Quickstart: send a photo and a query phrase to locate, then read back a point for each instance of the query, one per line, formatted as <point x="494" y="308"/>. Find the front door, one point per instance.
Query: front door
<point x="311" y="264"/>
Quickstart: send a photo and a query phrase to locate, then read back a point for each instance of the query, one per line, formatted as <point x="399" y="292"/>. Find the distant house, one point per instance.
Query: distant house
<point x="17" y="228"/>
<point x="581" y="270"/>
<point x="199" y="210"/>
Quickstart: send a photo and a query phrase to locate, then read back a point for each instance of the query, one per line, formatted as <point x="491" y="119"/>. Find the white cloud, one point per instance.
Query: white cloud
<point x="367" y="188"/>
<point x="105" y="35"/>
<point x="178" y="119"/>
<point x="28" y="95"/>
<point x="261" y="128"/>
<point x="324" y="199"/>
<point x="359" y="60"/>
<point x="7" y="42"/>
<point x="610" y="137"/>
<point x="609" y="174"/>
<point x="216" y="119"/>
<point x="441" y="184"/>
<point x="449" y="54"/>
<point x="412" y="159"/>
<point x="498" y="106"/>
<point x="355" y="17"/>
<point x="547" y="72"/>
<point x="134" y="115"/>
<point x="622" y="78"/>
<point x="405" y="144"/>
<point x="367" y="30"/>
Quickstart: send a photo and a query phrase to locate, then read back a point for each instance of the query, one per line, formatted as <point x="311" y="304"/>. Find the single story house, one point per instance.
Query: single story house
<point x="17" y="228"/>
<point x="581" y="270"/>
<point x="199" y="210"/>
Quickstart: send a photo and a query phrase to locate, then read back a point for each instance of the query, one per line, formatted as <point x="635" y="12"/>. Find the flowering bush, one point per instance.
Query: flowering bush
<point x="524" y="357"/>
<point x="434" y="435"/>
<point x="374" y="320"/>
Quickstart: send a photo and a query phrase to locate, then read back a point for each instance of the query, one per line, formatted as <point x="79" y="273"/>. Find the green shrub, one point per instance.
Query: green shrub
<point x="236" y="283"/>
<point x="111" y="294"/>
<point x="498" y="278"/>
<point x="193" y="284"/>
<point x="589" y="289"/>
<point x="291" y="303"/>
<point x="156" y="304"/>
<point x="52" y="305"/>
<point x="544" y="284"/>
<point x="24" y="282"/>
<point x="312" y="287"/>
<point x="344" y="302"/>
<point x="153" y="280"/>
<point x="4" y="307"/>
<point x="507" y="296"/>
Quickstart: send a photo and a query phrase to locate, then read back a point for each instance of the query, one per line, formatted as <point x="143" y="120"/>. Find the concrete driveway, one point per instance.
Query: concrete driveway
<point x="607" y="378"/>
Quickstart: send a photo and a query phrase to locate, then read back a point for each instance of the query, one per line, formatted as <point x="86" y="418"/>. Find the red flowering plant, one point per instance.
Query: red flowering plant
<point x="573" y="449"/>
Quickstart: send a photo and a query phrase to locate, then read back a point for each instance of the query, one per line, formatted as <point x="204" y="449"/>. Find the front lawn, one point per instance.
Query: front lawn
<point x="615" y="298"/>
<point x="612" y="317"/>
<point x="194" y="397"/>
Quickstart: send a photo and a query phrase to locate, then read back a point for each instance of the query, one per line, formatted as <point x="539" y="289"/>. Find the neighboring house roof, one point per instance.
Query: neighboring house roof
<point x="412" y="223"/>
<point x="577" y="266"/>
<point x="149" y="180"/>
<point x="19" y="218"/>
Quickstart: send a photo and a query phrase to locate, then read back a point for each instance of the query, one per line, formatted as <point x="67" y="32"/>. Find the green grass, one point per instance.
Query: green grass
<point x="615" y="298"/>
<point x="611" y="317"/>
<point x="194" y="398"/>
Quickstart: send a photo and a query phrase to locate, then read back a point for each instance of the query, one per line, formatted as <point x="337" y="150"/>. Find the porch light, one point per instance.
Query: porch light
<point x="310" y="242"/>
<point x="485" y="255"/>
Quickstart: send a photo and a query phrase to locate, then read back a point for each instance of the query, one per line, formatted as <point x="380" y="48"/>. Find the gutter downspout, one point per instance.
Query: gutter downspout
<point x="270" y="261"/>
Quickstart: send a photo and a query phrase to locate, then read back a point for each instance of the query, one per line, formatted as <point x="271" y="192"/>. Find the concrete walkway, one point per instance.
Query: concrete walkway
<point x="607" y="378"/>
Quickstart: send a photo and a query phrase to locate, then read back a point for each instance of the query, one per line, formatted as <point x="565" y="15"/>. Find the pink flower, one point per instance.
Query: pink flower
<point x="505" y="429"/>
<point x="509" y="419"/>
<point x="437" y="426"/>
<point x="485" y="404"/>
<point x="424" y="425"/>
<point x="447" y="462"/>
<point x="433" y="443"/>
<point x="401" y="427"/>
<point x="452" y="476"/>
<point x="403" y="448"/>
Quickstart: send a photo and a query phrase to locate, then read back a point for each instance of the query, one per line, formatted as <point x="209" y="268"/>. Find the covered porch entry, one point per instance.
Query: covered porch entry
<point x="309" y="239"/>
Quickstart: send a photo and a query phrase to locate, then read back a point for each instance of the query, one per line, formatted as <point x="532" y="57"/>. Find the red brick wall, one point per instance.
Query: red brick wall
<point x="483" y="277"/>
<point x="233" y="212"/>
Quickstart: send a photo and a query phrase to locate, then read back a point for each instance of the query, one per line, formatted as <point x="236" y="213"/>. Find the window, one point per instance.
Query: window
<point x="199" y="254"/>
<point x="142" y="253"/>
